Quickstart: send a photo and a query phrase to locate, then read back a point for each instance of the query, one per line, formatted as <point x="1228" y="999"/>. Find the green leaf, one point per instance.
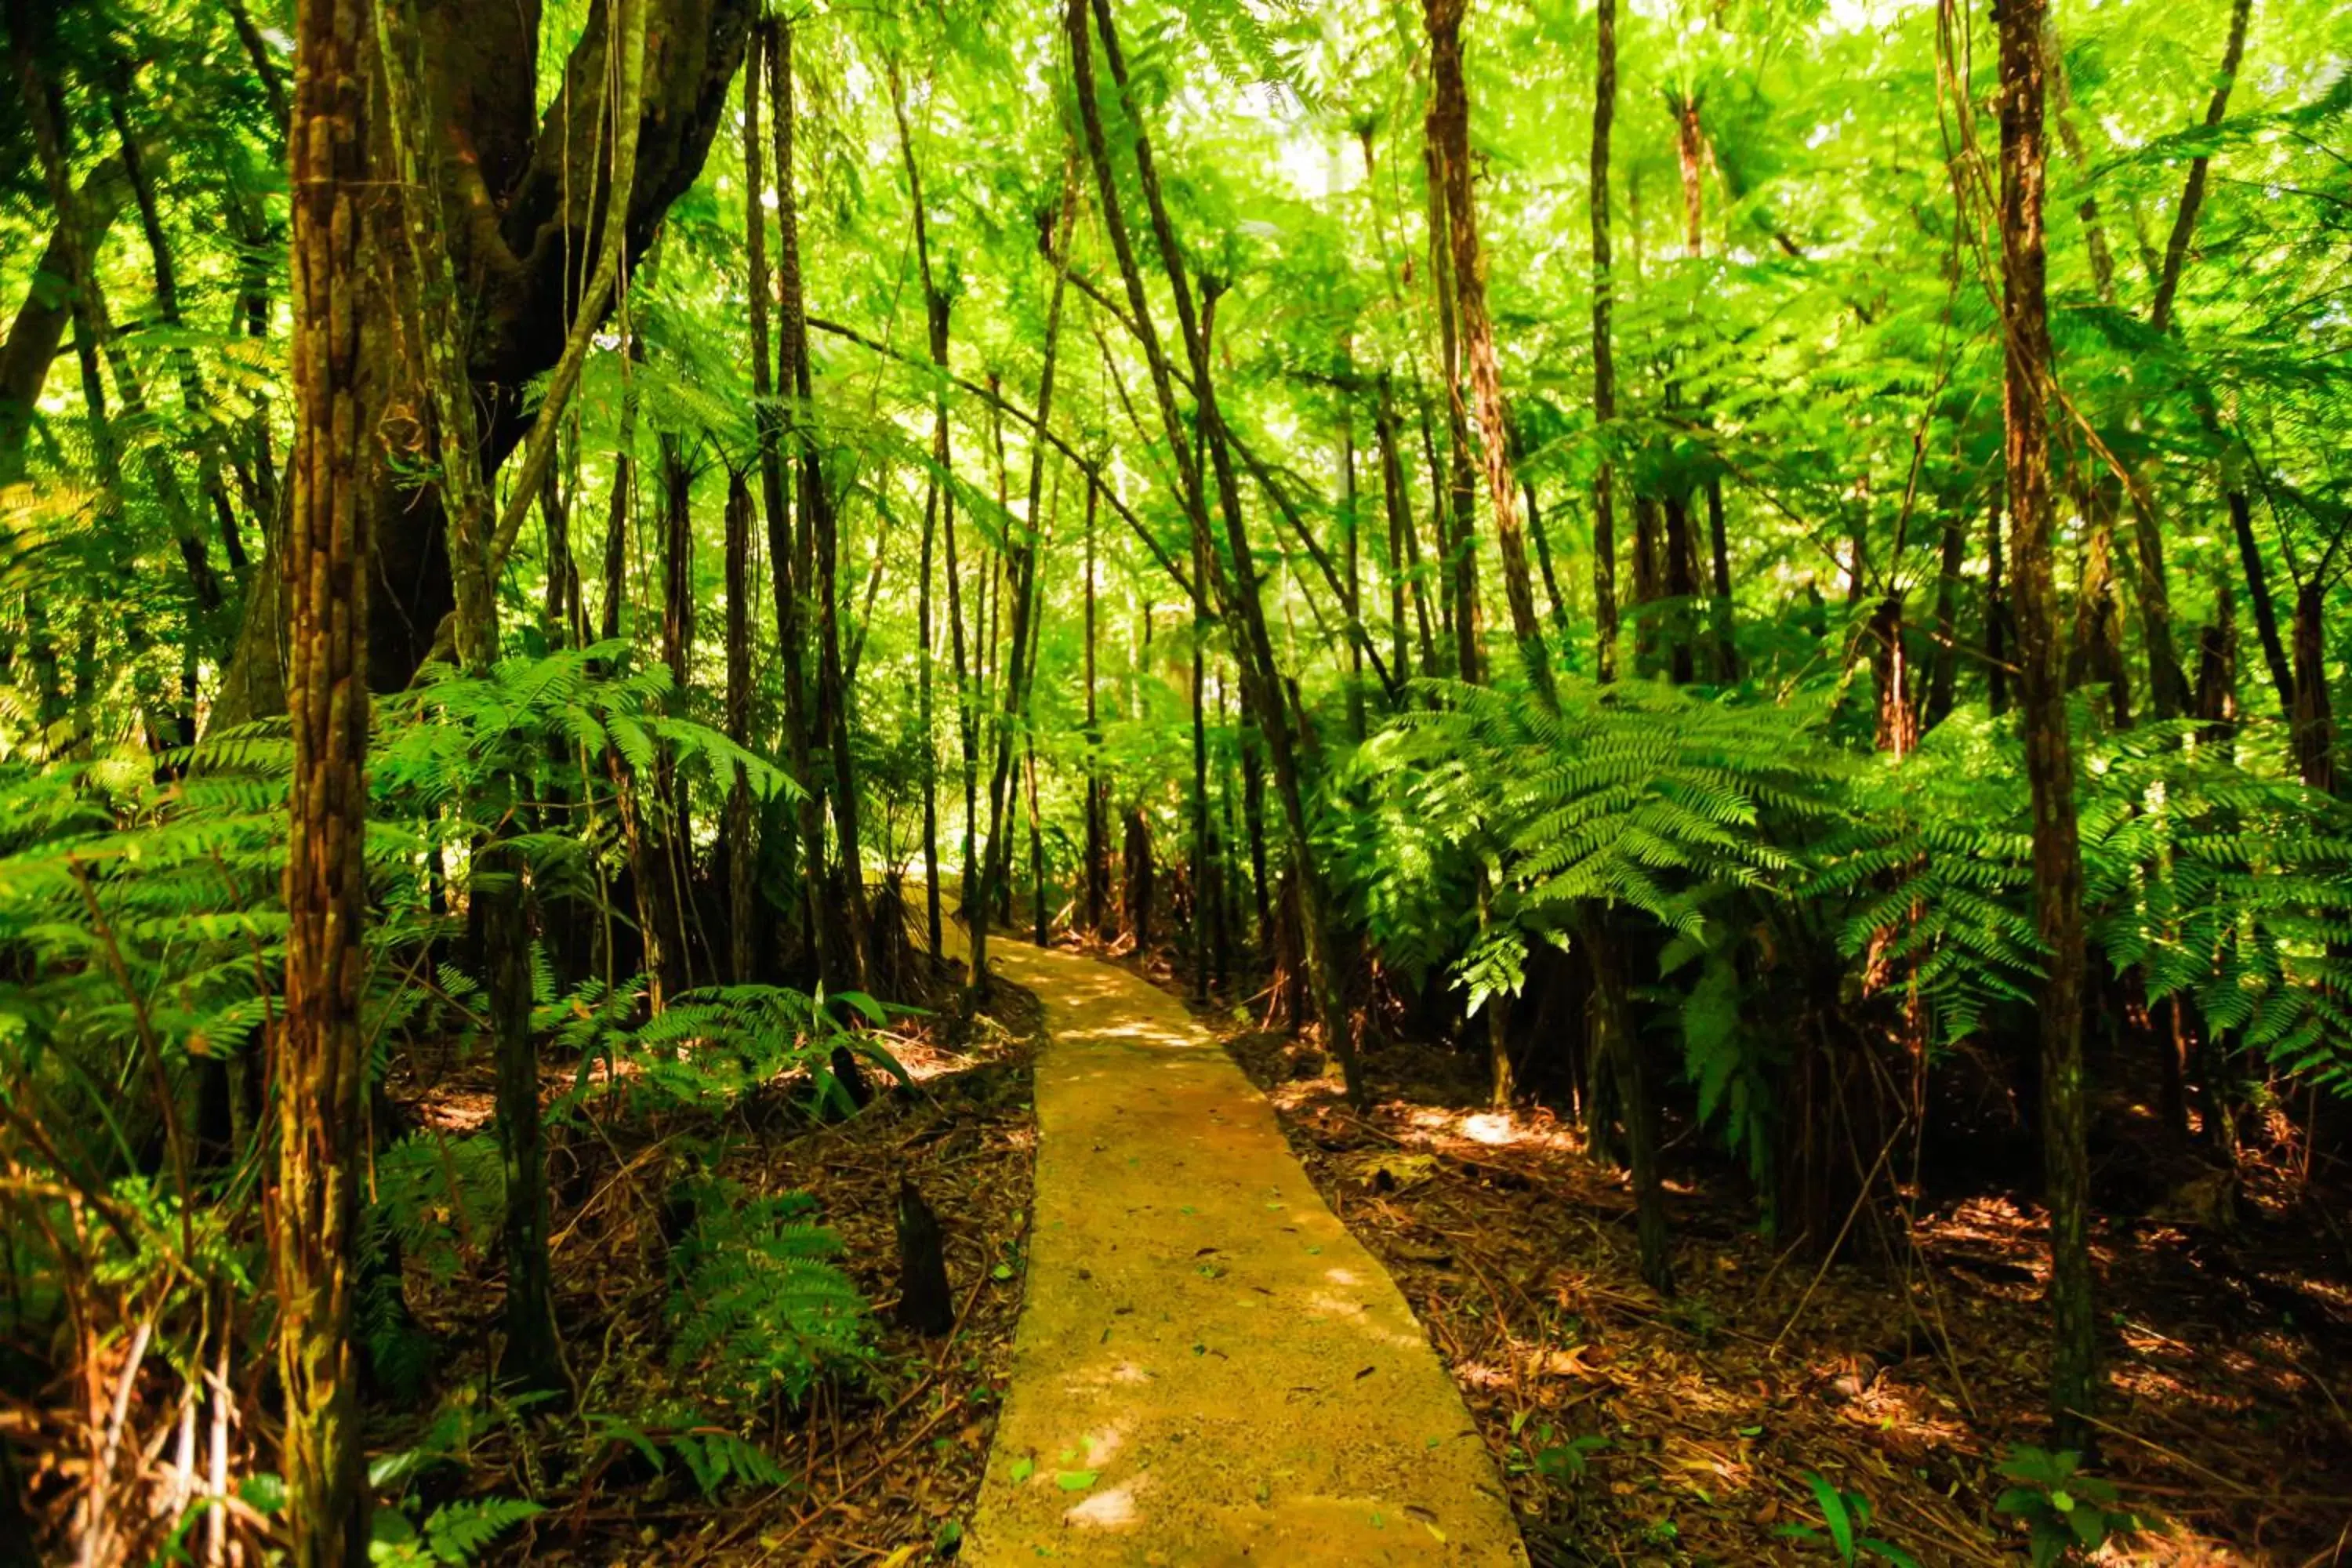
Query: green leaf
<point x="1076" y="1480"/>
<point x="1834" y="1514"/>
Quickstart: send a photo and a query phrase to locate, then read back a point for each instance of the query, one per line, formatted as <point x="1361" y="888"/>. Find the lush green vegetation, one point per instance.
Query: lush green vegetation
<point x="1775" y="571"/>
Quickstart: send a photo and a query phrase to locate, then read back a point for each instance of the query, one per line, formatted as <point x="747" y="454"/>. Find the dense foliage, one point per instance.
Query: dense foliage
<point x="1239" y="478"/>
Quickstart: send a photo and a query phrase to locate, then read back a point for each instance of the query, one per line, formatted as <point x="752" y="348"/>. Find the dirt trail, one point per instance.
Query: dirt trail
<point x="1209" y="1369"/>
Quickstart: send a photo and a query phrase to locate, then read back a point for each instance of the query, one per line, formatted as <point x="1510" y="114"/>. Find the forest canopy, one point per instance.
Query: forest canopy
<point x="1772" y="578"/>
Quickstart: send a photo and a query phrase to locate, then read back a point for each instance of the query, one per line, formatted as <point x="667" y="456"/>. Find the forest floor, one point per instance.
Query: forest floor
<point x="1681" y="1431"/>
<point x="880" y="1468"/>
<point x="1625" y="1429"/>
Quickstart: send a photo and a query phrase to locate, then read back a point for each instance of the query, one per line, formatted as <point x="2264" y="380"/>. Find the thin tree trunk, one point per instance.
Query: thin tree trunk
<point x="39" y="328"/>
<point x="1681" y="589"/>
<point x="1649" y="582"/>
<point x="2193" y="193"/>
<point x="2258" y="597"/>
<point x="1043" y="916"/>
<point x="2095" y="651"/>
<point x="93" y="331"/>
<point x="1404" y="557"/>
<point x="562" y="591"/>
<point x="820" y="533"/>
<point x="1022" y="573"/>
<point x="1897" y="731"/>
<point x="1943" y="666"/>
<point x="743" y="861"/>
<point x="935" y="309"/>
<point x="1449" y="139"/>
<point x="613" y="578"/>
<point x="1541" y="535"/>
<point x="1097" y="872"/>
<point x="1619" y="1050"/>
<point x="787" y="550"/>
<point x="313" y="1207"/>
<point x="1604" y="365"/>
<point x="2217" y="664"/>
<point x="1996" y="617"/>
<point x="1239" y="594"/>
<point x="1726" y="642"/>
<point x="2049" y="769"/>
<point x="2094" y="229"/>
<point x="73" y="240"/>
<point x="1456" y="515"/>
<point x="1352" y="556"/>
<point x="1200" y="798"/>
<point x="496" y="916"/>
<point x="167" y="309"/>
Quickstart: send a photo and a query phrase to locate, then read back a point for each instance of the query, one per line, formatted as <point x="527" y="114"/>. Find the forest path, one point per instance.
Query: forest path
<point x="1209" y="1368"/>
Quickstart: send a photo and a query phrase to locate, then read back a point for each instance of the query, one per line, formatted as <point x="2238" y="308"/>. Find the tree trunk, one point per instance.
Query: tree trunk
<point x="1897" y="731"/>
<point x="2258" y="597"/>
<point x="1238" y="594"/>
<point x="1097" y="869"/>
<point x="1456" y="506"/>
<point x="1352" y="555"/>
<point x="2095" y="652"/>
<point x="1943" y="666"/>
<point x="523" y="201"/>
<point x="1604" y="365"/>
<point x="936" y="311"/>
<point x="1404" y="557"/>
<point x="1201" y="873"/>
<point x="1996" y="617"/>
<point x="314" y="1206"/>
<point x="497" y="917"/>
<point x="1620" y="1052"/>
<point x="613" y="577"/>
<point x="769" y="61"/>
<point x="39" y="328"/>
<point x="1726" y="643"/>
<point x="2049" y="752"/>
<point x="2192" y="192"/>
<point x="1022" y="572"/>
<point x="1449" y="137"/>
<point x="743" y="861"/>
<point x="1649" y="582"/>
<point x="820" y="538"/>
<point x="167" y="310"/>
<point x="1681" y="589"/>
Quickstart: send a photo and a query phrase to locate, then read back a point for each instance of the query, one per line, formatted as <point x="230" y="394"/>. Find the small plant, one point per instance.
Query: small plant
<point x="451" y="1536"/>
<point x="758" y="1303"/>
<point x="1845" y="1516"/>
<point x="1557" y="1457"/>
<point x="2066" y="1511"/>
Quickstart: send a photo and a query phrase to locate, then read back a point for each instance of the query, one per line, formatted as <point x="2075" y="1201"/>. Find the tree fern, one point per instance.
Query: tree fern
<point x="758" y="1306"/>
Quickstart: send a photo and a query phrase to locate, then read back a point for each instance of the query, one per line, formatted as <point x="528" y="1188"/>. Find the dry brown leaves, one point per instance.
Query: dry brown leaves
<point x="877" y="1467"/>
<point x="1518" y="1255"/>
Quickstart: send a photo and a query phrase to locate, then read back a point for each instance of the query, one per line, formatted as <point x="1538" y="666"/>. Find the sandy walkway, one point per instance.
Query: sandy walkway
<point x="1209" y="1368"/>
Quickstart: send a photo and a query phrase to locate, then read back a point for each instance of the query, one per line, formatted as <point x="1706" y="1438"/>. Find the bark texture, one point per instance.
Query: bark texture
<point x="2049" y="752"/>
<point x="321" y="1065"/>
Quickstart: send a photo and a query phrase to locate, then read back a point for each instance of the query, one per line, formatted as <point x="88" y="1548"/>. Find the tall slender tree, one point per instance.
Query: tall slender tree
<point x="2049" y="749"/>
<point x="321" y="1063"/>
<point x="1604" y="363"/>
<point x="1449" y="137"/>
